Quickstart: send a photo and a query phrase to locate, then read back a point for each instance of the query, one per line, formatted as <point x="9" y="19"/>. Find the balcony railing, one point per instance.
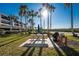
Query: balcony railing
<point x="2" y="25"/>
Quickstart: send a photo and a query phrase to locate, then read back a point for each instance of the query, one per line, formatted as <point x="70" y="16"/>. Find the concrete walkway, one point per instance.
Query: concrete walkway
<point x="47" y="43"/>
<point x="37" y="43"/>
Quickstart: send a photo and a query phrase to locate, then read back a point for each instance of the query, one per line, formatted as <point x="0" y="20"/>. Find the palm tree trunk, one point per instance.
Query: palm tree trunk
<point x="48" y="23"/>
<point x="40" y="22"/>
<point x="43" y="25"/>
<point x="50" y="19"/>
<point x="21" y="24"/>
<point x="32" y="24"/>
<point x="25" y="25"/>
<point x="11" y="24"/>
<point x="72" y="18"/>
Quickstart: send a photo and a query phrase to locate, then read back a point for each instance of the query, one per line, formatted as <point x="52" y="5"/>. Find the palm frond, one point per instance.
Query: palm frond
<point x="66" y="5"/>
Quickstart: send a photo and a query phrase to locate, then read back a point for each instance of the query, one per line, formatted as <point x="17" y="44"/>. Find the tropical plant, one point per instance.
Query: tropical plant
<point x="22" y="13"/>
<point x="49" y="8"/>
<point x="13" y="19"/>
<point x="40" y="16"/>
<point x="71" y="12"/>
<point x="32" y="14"/>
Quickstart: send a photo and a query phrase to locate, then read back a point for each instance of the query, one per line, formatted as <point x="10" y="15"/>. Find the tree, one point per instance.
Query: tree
<point x="12" y="20"/>
<point x="50" y="8"/>
<point x="26" y="17"/>
<point x="71" y="12"/>
<point x="38" y="29"/>
<point x="32" y="14"/>
<point x="22" y="13"/>
<point x="46" y="6"/>
<point x="40" y="16"/>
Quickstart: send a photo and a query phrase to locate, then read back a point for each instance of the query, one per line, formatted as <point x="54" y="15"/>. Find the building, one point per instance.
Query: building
<point x="4" y="22"/>
<point x="9" y="23"/>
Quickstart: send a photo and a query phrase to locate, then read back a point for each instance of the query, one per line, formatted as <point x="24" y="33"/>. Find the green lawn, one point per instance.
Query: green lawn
<point x="76" y="39"/>
<point x="9" y="45"/>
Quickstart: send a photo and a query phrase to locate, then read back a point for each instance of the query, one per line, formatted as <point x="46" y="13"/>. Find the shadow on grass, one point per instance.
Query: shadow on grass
<point x="58" y="51"/>
<point x="41" y="48"/>
<point x="8" y="39"/>
<point x="40" y="51"/>
<point x="31" y="52"/>
<point x="26" y="51"/>
<point x="11" y="41"/>
<point x="5" y="35"/>
<point x="32" y="48"/>
<point x="29" y="49"/>
<point x="67" y="50"/>
<point x="70" y="51"/>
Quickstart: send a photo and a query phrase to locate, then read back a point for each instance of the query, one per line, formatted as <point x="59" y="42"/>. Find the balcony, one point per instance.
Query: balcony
<point x="2" y="25"/>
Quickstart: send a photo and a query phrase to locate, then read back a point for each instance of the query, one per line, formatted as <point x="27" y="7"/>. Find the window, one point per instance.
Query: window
<point x="5" y="17"/>
<point x="5" y="22"/>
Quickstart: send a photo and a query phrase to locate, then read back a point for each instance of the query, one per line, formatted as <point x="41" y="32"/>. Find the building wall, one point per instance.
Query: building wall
<point x="12" y="25"/>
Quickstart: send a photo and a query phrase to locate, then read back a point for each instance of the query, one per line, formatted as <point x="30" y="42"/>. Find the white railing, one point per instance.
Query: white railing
<point x="2" y="25"/>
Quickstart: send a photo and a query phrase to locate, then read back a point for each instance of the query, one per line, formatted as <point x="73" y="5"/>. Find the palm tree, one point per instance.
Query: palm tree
<point x="32" y="14"/>
<point x="26" y="17"/>
<point x="20" y="20"/>
<point x="12" y="20"/>
<point x="40" y="16"/>
<point x="22" y="13"/>
<point x="71" y="12"/>
<point x="16" y="22"/>
<point x="51" y="8"/>
<point x="46" y="6"/>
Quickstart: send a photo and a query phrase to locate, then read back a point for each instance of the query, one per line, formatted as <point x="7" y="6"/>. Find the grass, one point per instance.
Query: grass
<point x="9" y="45"/>
<point x="76" y="39"/>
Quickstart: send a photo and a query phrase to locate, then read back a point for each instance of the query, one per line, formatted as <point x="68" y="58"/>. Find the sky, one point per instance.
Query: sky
<point x="60" y="16"/>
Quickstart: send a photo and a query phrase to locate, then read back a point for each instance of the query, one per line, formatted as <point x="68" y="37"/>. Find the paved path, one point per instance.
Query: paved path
<point x="37" y="42"/>
<point x="42" y="43"/>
